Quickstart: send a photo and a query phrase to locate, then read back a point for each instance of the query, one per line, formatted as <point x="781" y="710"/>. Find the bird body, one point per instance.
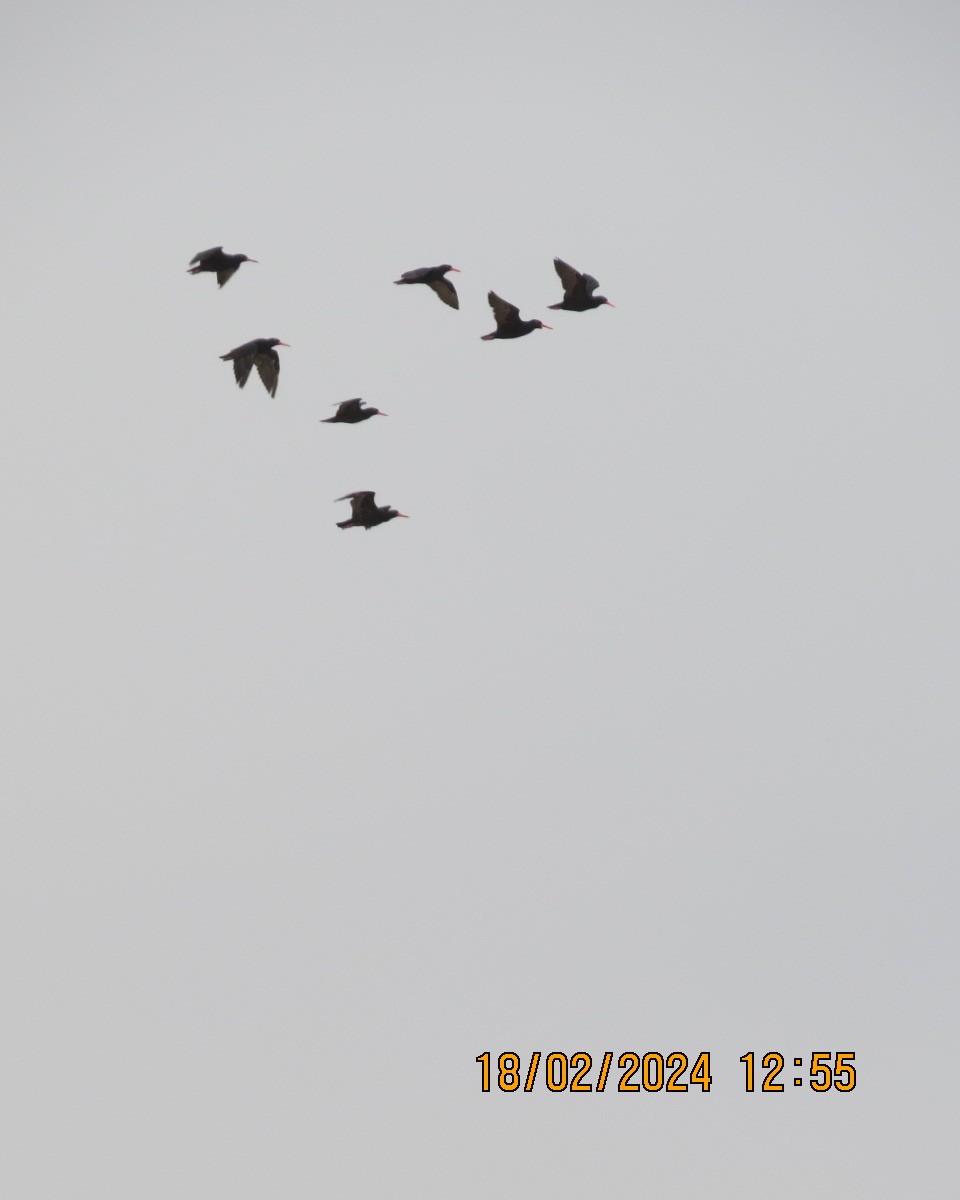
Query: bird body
<point x="435" y="278"/>
<point x="259" y="353"/>
<point x="225" y="265"/>
<point x="578" y="289"/>
<point x="349" y="412"/>
<point x="365" y="513"/>
<point x="509" y="322"/>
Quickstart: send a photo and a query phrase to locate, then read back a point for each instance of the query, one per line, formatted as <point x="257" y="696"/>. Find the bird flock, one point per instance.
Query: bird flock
<point x="578" y="296"/>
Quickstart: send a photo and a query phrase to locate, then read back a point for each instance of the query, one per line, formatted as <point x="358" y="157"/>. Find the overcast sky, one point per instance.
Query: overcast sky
<point x="638" y="735"/>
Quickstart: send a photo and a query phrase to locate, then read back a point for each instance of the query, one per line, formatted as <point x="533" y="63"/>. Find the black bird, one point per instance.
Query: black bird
<point x="578" y="289"/>
<point x="509" y="324"/>
<point x="364" y="512"/>
<point x="433" y="277"/>
<point x="225" y="265"/>
<point x="259" y="353"/>
<point x="352" y="411"/>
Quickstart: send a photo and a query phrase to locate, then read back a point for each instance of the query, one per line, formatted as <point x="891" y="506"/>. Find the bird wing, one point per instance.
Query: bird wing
<point x="569" y="276"/>
<point x="242" y="366"/>
<point x="224" y="273"/>
<point x="503" y="310"/>
<point x="362" y="506"/>
<point x="360" y="503"/>
<point x="243" y="359"/>
<point x="416" y="276"/>
<point x="205" y="254"/>
<point x="589" y="284"/>
<point x="348" y="407"/>
<point x="445" y="290"/>
<point x="268" y="365"/>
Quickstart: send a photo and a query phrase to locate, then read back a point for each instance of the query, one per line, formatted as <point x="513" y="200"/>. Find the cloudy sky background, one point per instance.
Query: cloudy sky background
<point x="638" y="735"/>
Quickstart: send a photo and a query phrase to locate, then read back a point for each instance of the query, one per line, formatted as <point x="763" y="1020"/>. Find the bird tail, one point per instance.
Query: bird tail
<point x="344" y="524"/>
<point x="194" y="270"/>
<point x="560" y="305"/>
<point x="487" y="337"/>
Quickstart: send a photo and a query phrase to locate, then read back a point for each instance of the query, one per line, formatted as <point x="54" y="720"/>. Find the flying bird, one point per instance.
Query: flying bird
<point x="225" y="265"/>
<point x="259" y="353"/>
<point x="350" y="412"/>
<point x="578" y="289"/>
<point x="509" y="324"/>
<point x="363" y="511"/>
<point x="434" y="277"/>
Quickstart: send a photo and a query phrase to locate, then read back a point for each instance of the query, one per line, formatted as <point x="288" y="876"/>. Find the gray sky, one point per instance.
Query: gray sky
<point x="637" y="736"/>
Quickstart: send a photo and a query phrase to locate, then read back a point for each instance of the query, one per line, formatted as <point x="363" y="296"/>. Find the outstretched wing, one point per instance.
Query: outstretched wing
<point x="205" y="255"/>
<point x="349" y="408"/>
<point x="445" y="290"/>
<point x="361" y="503"/>
<point x="417" y="276"/>
<point x="569" y="276"/>
<point x="225" y="273"/>
<point x="588" y="284"/>
<point x="242" y="366"/>
<point x="268" y="365"/>
<point x="243" y="358"/>
<point x="503" y="310"/>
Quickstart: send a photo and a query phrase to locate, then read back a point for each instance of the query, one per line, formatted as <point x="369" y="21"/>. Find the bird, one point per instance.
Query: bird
<point x="349" y="412"/>
<point x="578" y="289"/>
<point x="259" y="353"/>
<point x="363" y="511"/>
<point x="509" y="324"/>
<point x="434" y="277"/>
<point x="225" y="265"/>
